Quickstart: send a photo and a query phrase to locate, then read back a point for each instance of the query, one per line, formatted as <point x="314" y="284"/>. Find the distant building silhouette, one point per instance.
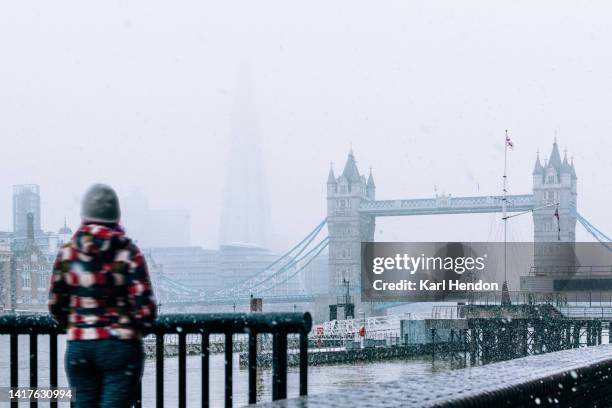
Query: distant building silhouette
<point x="152" y="227"/>
<point x="245" y="217"/>
<point x="26" y="199"/>
<point x="5" y="274"/>
<point x="193" y="266"/>
<point x="26" y="285"/>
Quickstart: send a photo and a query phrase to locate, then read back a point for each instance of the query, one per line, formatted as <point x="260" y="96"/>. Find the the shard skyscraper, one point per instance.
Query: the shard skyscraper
<point x="245" y="215"/>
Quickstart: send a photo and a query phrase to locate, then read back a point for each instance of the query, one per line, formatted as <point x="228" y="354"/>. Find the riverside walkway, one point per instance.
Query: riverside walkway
<point x="569" y="378"/>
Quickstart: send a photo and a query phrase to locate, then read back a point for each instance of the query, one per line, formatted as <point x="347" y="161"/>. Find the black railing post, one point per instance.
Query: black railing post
<point x="229" y="363"/>
<point x="205" y="370"/>
<point x="279" y="366"/>
<point x="138" y="403"/>
<point x="182" y="374"/>
<point x="159" y="370"/>
<point x="33" y="365"/>
<point x="53" y="364"/>
<point x="303" y="363"/>
<point x="252" y="368"/>
<point x="14" y="364"/>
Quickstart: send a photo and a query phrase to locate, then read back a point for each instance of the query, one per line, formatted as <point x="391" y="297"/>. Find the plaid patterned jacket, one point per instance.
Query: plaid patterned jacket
<point x="100" y="286"/>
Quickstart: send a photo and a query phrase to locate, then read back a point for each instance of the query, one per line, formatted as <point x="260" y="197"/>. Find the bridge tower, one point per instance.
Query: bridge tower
<point x="347" y="228"/>
<point x="553" y="182"/>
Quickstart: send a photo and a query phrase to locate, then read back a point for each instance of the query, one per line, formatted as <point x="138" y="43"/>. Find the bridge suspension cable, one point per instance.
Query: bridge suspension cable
<point x="291" y="257"/>
<point x="177" y="287"/>
<point x="594" y="231"/>
<point x="289" y="265"/>
<point x="317" y="249"/>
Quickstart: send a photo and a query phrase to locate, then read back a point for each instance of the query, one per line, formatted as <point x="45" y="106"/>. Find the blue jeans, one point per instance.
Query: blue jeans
<point x="104" y="373"/>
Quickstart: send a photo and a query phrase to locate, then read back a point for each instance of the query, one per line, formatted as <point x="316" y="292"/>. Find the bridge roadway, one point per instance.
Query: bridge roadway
<point x="447" y="205"/>
<point x="575" y="377"/>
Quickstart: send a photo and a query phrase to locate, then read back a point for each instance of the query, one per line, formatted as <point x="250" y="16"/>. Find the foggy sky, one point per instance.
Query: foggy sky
<point x="139" y="94"/>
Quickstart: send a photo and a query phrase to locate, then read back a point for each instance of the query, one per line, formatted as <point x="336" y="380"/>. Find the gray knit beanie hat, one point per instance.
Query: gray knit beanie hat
<point x="101" y="204"/>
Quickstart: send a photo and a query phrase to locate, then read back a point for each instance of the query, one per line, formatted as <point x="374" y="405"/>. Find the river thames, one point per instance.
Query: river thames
<point x="321" y="379"/>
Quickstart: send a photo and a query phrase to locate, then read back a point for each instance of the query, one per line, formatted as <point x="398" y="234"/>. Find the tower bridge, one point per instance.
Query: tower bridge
<point x="352" y="209"/>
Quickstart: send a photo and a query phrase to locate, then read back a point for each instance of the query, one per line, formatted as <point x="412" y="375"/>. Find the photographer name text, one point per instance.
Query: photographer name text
<point x="429" y="285"/>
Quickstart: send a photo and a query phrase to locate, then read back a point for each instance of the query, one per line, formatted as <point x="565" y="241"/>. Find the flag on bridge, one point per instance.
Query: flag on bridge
<point x="556" y="215"/>
<point x="508" y="141"/>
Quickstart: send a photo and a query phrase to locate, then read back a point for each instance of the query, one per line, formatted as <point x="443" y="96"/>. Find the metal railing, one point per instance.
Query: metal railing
<point x="447" y="312"/>
<point x="559" y="298"/>
<point x="586" y="312"/>
<point x="279" y="325"/>
<point x="348" y="329"/>
<point x="577" y="271"/>
<point x="451" y="312"/>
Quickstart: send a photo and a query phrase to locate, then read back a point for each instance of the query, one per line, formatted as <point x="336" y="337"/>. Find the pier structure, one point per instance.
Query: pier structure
<point x="489" y="333"/>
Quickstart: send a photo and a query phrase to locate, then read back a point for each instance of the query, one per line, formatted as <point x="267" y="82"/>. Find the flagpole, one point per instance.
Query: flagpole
<point x="558" y="223"/>
<point x="504" y="209"/>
